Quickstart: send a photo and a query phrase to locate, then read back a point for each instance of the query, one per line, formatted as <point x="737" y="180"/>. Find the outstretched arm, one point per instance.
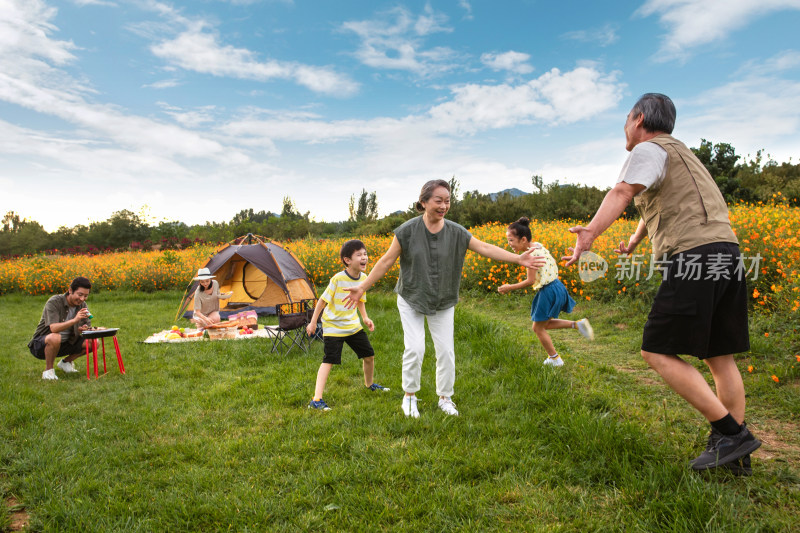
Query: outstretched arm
<point x="614" y="203"/>
<point x="495" y="252"/>
<point x="362" y="308"/>
<point x="635" y="239"/>
<point x="378" y="271"/>
<point x="311" y="327"/>
<point x="531" y="279"/>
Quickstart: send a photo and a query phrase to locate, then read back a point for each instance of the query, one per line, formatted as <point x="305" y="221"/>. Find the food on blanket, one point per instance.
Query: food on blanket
<point x="221" y="333"/>
<point x="173" y="336"/>
<point x="182" y="331"/>
<point x="177" y="331"/>
<point x="193" y="333"/>
<point x="225" y="324"/>
<point x="245" y="331"/>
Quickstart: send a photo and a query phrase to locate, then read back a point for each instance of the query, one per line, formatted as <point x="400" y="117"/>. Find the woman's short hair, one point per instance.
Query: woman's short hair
<point x="427" y="191"/>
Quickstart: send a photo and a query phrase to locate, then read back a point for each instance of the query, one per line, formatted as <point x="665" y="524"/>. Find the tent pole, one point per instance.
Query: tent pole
<point x="183" y="300"/>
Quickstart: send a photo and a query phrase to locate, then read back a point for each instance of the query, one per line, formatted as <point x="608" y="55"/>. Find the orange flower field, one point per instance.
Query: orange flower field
<point x="768" y="231"/>
<point x="136" y="271"/>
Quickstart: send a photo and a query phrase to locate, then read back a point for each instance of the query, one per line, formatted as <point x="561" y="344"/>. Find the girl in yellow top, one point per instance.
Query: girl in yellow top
<point x="551" y="297"/>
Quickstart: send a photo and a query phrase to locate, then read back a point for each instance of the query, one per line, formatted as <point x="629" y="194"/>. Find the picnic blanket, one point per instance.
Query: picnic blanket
<point x="263" y="332"/>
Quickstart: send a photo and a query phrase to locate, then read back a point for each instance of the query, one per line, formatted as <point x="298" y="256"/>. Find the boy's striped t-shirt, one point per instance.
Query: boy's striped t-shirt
<point x="337" y="320"/>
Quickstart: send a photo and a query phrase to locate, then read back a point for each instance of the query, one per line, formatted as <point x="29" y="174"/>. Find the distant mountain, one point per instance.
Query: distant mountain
<point x="513" y="192"/>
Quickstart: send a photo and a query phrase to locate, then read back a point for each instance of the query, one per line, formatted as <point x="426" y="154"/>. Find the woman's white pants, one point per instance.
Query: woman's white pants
<point x="441" y="327"/>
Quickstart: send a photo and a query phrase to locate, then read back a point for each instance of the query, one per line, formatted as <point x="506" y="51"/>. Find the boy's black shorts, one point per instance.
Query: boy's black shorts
<point x="701" y="306"/>
<point x="358" y="342"/>
<point x="36" y="346"/>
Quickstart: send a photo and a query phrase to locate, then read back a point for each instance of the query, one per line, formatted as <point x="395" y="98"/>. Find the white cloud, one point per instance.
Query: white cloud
<point x="250" y="2"/>
<point x="87" y="157"/>
<point x="786" y="60"/>
<point x="431" y="22"/>
<point x="602" y="36"/>
<point x="553" y="97"/>
<point x="757" y="111"/>
<point x="163" y="84"/>
<point x="199" y="51"/>
<point x="31" y="77"/>
<point x="515" y="62"/>
<point x="190" y="119"/>
<point x="107" y="121"/>
<point x="82" y="3"/>
<point x="24" y="31"/>
<point x="65" y="164"/>
<point x="194" y="45"/>
<point x="394" y="41"/>
<point x="692" y="23"/>
<point x="467" y="7"/>
<point x="437" y="143"/>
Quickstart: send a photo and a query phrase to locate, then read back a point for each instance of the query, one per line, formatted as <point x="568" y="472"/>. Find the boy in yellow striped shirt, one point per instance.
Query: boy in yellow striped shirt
<point x="341" y="325"/>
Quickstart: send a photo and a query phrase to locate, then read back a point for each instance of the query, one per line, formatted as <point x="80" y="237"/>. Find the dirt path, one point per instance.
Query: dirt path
<point x="780" y="439"/>
<point x="19" y="517"/>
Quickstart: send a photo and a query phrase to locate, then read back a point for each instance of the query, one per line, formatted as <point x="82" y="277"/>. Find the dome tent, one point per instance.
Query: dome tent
<point x="261" y="274"/>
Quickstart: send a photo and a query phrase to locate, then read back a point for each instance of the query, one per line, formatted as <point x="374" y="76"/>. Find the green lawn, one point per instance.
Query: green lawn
<point x="216" y="435"/>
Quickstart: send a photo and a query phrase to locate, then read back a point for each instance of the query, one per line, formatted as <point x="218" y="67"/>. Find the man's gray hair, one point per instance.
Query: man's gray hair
<point x="658" y="110"/>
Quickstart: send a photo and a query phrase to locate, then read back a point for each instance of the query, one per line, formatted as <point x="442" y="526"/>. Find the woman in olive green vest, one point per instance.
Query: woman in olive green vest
<point x="431" y="250"/>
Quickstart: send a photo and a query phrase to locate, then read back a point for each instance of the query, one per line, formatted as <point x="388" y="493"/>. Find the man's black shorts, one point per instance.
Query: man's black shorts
<point x="36" y="346"/>
<point x="358" y="342"/>
<point x="701" y="306"/>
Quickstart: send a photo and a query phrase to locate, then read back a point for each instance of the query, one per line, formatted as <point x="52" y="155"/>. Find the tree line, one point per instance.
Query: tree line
<point x="760" y="179"/>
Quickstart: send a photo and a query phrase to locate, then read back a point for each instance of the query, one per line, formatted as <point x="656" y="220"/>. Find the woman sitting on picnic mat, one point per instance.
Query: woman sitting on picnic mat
<point x="206" y="299"/>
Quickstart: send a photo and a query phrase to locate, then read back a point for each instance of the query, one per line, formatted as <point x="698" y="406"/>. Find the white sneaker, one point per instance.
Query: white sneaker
<point x="67" y="367"/>
<point x="447" y="405"/>
<point x="49" y="374"/>
<point x="410" y="406"/>
<point x="584" y="328"/>
<point x="553" y="361"/>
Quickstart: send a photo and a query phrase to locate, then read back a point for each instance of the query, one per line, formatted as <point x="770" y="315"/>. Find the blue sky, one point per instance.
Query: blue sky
<point x="195" y="110"/>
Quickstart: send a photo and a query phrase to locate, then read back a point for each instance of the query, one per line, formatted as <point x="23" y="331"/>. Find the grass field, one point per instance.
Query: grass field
<point x="215" y="436"/>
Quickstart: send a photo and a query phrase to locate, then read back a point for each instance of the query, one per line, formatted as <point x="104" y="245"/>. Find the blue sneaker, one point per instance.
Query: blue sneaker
<point x="375" y="387"/>
<point x="320" y="405"/>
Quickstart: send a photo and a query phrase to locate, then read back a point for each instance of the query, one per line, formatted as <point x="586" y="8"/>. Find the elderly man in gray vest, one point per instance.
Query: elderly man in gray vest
<point x="701" y="306"/>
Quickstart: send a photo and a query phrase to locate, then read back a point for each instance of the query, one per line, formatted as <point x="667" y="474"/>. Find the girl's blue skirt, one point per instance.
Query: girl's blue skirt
<point x="551" y="300"/>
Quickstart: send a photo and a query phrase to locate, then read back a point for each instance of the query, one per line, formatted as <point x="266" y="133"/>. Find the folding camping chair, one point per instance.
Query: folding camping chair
<point x="293" y="317"/>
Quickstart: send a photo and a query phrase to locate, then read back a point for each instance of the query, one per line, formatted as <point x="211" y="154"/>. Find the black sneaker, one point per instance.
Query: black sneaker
<point x="740" y="467"/>
<point x="723" y="450"/>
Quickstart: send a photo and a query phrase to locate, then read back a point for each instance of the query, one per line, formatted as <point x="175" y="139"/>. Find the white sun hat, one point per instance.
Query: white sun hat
<point x="202" y="274"/>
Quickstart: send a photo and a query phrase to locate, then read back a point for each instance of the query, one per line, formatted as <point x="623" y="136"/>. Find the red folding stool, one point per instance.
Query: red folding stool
<point x="91" y="337"/>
